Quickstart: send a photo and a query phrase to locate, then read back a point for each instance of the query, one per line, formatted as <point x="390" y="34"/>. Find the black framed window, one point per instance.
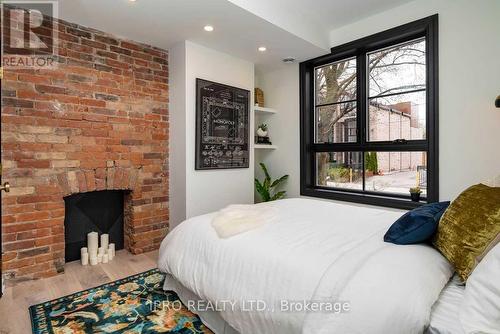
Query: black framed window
<point x="369" y="118"/>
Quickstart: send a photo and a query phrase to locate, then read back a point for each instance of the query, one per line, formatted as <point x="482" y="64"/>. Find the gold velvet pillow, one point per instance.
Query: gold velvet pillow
<point x="469" y="228"/>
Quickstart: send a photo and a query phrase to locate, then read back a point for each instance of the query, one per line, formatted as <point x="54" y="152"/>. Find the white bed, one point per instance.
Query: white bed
<point x="314" y="250"/>
<point x="445" y="312"/>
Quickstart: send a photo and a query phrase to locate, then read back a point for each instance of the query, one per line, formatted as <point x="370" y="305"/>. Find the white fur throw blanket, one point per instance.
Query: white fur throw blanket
<point x="236" y="219"/>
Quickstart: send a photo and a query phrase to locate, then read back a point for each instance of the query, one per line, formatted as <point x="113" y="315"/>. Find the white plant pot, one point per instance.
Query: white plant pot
<point x="261" y="133"/>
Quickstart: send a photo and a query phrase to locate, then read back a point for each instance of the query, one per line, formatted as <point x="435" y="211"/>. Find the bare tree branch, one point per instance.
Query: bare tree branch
<point x="406" y="87"/>
<point x="397" y="64"/>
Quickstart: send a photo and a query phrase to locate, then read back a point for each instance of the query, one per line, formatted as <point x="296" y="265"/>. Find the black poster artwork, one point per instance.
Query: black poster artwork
<point x="222" y="126"/>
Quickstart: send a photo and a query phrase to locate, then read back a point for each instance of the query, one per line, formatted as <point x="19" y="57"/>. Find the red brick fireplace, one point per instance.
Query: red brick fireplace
<point x="97" y="122"/>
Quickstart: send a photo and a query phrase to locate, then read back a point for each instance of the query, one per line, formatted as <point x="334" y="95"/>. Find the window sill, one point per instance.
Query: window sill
<point x="386" y="201"/>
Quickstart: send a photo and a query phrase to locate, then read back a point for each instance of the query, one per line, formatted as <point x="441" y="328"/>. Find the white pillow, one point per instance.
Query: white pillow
<point x="494" y="182"/>
<point x="480" y="311"/>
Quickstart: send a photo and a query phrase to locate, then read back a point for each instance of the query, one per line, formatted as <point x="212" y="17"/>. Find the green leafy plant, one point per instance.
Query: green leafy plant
<point x="267" y="188"/>
<point x="339" y="174"/>
<point x="263" y="127"/>
<point x="415" y="190"/>
<point x="371" y="162"/>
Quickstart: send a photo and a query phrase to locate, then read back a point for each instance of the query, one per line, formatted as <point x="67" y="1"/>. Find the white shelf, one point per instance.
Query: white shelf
<point x="265" y="147"/>
<point x="262" y="110"/>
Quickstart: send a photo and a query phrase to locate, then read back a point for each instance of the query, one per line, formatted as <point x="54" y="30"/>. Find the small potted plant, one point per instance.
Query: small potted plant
<point x="262" y="130"/>
<point x="415" y="194"/>
<point x="267" y="188"/>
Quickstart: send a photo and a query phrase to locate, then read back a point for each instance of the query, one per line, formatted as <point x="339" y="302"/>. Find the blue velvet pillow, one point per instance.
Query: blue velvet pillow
<point x="417" y="225"/>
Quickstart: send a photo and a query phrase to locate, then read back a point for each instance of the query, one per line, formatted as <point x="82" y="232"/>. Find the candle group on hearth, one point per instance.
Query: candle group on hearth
<point x="93" y="254"/>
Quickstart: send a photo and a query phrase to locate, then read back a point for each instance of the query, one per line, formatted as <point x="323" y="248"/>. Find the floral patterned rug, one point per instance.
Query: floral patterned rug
<point x="136" y="304"/>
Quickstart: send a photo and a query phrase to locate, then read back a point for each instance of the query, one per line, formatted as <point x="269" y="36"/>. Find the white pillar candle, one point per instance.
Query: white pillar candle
<point x="99" y="258"/>
<point x="112" y="249"/>
<point x="92" y="243"/>
<point x="93" y="260"/>
<point x="101" y="250"/>
<point x="105" y="258"/>
<point x="83" y="250"/>
<point x="85" y="259"/>
<point x="110" y="255"/>
<point x="105" y="241"/>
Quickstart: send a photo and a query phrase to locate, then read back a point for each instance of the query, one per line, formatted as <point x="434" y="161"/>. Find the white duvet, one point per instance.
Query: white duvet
<point x="312" y="251"/>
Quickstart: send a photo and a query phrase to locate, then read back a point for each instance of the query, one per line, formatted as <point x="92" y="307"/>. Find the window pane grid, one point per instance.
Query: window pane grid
<point x="399" y="116"/>
<point x="382" y="173"/>
<point x="335" y="108"/>
<point x="340" y="170"/>
<point x="397" y="92"/>
<point x="395" y="89"/>
<point x="333" y="123"/>
<point x="335" y="82"/>
<point x="397" y="69"/>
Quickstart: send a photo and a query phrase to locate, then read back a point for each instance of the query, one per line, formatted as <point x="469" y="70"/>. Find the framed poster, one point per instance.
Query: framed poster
<point x="222" y="126"/>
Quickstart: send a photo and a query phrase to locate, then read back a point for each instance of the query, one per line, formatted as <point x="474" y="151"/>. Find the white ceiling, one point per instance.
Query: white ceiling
<point x="313" y="20"/>
<point x="288" y="28"/>
<point x="337" y="13"/>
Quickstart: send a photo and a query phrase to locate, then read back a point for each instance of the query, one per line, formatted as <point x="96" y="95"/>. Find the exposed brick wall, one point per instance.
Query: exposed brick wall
<point x="99" y="121"/>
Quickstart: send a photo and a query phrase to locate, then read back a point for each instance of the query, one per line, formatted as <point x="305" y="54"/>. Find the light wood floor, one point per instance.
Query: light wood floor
<point x="14" y="316"/>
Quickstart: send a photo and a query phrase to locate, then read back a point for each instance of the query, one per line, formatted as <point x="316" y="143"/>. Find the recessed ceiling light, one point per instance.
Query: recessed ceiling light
<point x="132" y="0"/>
<point x="208" y="28"/>
<point x="262" y="48"/>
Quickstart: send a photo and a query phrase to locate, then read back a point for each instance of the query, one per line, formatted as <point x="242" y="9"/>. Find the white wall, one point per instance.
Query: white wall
<point x="469" y="81"/>
<point x="177" y="144"/>
<point x="281" y="92"/>
<point x="205" y="191"/>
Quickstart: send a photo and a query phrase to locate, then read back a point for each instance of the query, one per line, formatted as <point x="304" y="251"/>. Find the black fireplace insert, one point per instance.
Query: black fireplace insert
<point x="97" y="211"/>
